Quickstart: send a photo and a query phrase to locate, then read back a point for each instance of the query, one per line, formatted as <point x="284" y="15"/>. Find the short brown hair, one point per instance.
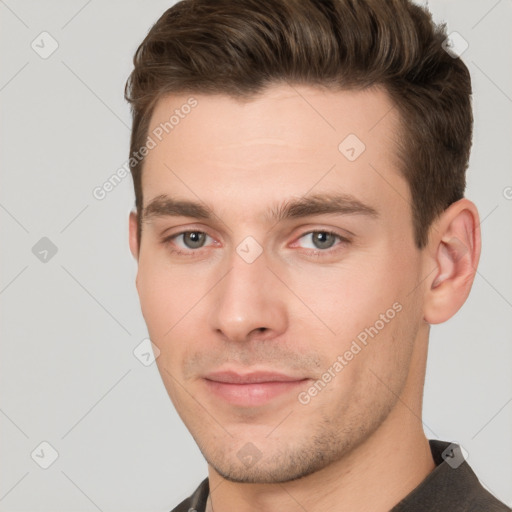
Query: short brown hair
<point x="238" y="47"/>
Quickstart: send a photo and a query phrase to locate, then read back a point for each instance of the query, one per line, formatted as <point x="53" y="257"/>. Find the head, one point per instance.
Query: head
<point x="299" y="172"/>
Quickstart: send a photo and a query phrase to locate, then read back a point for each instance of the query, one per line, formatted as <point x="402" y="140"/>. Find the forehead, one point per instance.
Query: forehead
<point x="283" y="142"/>
<point x="285" y="111"/>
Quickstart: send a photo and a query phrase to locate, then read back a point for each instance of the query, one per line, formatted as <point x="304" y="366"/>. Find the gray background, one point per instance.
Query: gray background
<point x="68" y="375"/>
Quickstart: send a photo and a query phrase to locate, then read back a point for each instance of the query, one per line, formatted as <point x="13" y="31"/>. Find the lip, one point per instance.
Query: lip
<point x="251" y="389"/>
<point x="232" y="377"/>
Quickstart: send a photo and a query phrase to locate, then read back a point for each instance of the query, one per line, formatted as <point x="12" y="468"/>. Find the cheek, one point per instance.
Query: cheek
<point x="366" y="315"/>
<point x="174" y="304"/>
<point x="156" y="304"/>
<point x="345" y="299"/>
<point x="374" y="372"/>
<point x="163" y="297"/>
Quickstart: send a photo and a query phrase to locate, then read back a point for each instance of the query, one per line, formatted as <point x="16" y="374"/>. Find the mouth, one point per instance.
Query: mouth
<point x="251" y="389"/>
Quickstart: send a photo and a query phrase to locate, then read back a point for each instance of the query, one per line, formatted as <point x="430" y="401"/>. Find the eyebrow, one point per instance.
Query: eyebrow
<point x="306" y="206"/>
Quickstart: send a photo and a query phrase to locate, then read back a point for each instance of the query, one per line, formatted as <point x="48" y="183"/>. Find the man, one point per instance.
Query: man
<point x="299" y="179"/>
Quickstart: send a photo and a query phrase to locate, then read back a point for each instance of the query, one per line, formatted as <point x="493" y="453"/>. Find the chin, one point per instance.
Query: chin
<point x="277" y="468"/>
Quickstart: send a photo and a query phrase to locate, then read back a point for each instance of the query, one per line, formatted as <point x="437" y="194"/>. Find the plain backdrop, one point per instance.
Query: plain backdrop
<point x="70" y="313"/>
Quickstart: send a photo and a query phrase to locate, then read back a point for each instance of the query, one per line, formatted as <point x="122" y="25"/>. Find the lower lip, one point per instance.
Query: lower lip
<point x="252" y="395"/>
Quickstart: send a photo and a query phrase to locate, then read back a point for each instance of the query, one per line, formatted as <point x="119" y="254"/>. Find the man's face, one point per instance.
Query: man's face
<point x="286" y="334"/>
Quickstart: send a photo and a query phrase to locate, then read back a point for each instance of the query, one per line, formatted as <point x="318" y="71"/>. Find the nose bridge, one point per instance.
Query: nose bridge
<point x="247" y="298"/>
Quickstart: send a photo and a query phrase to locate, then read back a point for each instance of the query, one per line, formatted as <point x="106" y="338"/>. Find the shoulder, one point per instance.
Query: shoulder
<point x="196" y="502"/>
<point x="452" y="486"/>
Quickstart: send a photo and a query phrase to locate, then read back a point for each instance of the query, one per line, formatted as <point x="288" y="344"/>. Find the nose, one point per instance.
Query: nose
<point x="249" y="302"/>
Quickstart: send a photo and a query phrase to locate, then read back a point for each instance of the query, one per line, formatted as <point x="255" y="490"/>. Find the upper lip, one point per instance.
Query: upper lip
<point x="231" y="377"/>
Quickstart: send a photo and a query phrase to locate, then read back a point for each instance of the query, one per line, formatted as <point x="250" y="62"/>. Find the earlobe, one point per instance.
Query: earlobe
<point x="454" y="251"/>
<point x="133" y="235"/>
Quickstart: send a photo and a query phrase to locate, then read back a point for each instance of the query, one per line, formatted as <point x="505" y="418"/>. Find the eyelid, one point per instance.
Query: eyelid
<point x="342" y="239"/>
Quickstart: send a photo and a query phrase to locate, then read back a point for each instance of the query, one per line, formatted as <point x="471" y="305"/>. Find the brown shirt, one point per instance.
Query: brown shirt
<point x="451" y="487"/>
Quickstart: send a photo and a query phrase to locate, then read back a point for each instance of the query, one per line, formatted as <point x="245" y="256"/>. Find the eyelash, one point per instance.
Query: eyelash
<point x="166" y="241"/>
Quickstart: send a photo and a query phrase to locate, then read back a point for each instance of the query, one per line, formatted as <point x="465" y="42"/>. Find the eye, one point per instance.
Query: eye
<point x="189" y="239"/>
<point x="320" y="240"/>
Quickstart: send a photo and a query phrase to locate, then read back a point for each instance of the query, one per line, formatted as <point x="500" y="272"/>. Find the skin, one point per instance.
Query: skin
<point x="358" y="444"/>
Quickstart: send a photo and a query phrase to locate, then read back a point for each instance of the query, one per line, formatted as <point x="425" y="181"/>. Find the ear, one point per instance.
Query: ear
<point x="133" y="233"/>
<point x="453" y="250"/>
